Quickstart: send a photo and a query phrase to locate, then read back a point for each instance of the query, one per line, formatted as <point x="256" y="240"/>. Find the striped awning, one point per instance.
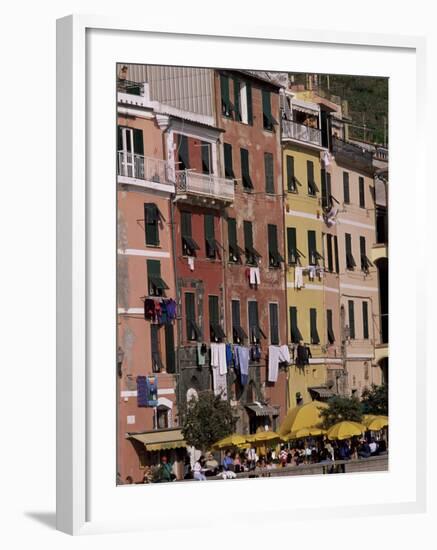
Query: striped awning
<point x="263" y="410"/>
<point x="305" y="106"/>
<point x="160" y="440"/>
<point x="322" y="391"/>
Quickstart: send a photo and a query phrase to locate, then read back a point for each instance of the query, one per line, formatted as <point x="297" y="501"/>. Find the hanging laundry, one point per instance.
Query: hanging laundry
<point x="191" y="262"/>
<point x="255" y="352"/>
<point x="284" y="354"/>
<point x="273" y="363"/>
<point x="326" y="158"/>
<point x="219" y="382"/>
<point x="201" y="357"/>
<point x="149" y="309"/>
<point x="331" y="216"/>
<point x="298" y="277"/>
<point x="218" y="357"/>
<point x="242" y="363"/>
<point x="158" y="311"/>
<point x="229" y="356"/>
<point x="254" y="276"/>
<point x="171" y="309"/>
<point x="302" y="355"/>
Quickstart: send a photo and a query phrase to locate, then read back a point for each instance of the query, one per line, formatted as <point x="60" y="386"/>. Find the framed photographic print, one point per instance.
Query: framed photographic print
<point x="230" y="226"/>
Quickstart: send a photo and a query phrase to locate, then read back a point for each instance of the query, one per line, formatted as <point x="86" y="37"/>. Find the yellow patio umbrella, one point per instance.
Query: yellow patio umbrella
<point x="375" y="423"/>
<point x="234" y="440"/>
<point x="345" y="429"/>
<point x="262" y="437"/>
<point x="306" y="432"/>
<point x="302" y="416"/>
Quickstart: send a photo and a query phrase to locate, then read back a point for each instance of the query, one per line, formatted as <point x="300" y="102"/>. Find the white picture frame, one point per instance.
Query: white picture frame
<point x="80" y="491"/>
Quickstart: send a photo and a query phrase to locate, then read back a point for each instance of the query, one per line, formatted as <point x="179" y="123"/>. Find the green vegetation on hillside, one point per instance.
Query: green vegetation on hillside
<point x="367" y="97"/>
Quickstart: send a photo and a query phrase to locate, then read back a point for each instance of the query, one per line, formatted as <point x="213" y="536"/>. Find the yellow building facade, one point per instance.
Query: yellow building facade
<point x="304" y="246"/>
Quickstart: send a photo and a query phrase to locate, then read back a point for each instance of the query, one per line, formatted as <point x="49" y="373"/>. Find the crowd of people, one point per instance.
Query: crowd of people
<point x="261" y="464"/>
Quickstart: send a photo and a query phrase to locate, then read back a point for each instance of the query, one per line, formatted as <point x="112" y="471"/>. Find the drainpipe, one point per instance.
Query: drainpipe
<point x="176" y="285"/>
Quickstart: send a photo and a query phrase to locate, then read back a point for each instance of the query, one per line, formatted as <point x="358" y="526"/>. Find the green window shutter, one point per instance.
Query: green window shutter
<point x="254" y="329"/>
<point x="138" y="142"/>
<point x="329" y="247"/>
<point x="272" y="233"/>
<point x="291" y="181"/>
<point x="153" y="273"/>
<point x="310" y="178"/>
<point x="151" y="223"/>
<point x="216" y="331"/>
<point x="224" y="88"/>
<point x="350" y="261"/>
<point x="236" y="320"/>
<point x="205" y="149"/>
<point x="157" y="365"/>
<point x="351" y="310"/>
<point x="365" y="320"/>
<point x="361" y="192"/>
<point x="190" y="315"/>
<point x="267" y="113"/>
<point x="248" y="235"/>
<point x="268" y="170"/>
<point x="274" y="324"/>
<point x="232" y="232"/>
<point x="328" y="187"/>
<point x="337" y="262"/>
<point x="363" y="251"/>
<point x="186" y="224"/>
<point x="170" y="349"/>
<point x="245" y="173"/>
<point x="229" y="169"/>
<point x="346" y="193"/>
<point x="275" y="257"/>
<point x="313" y="326"/>
<point x="291" y="245"/>
<point x="312" y="248"/>
<point x="183" y="155"/>
<point x="295" y="334"/>
<point x="324" y="188"/>
<point x="209" y="226"/>
<point x="238" y="333"/>
<point x="213" y="304"/>
<point x="119" y="138"/>
<point x="153" y="268"/>
<point x="330" y="327"/>
<point x="237" y="109"/>
<point x="210" y="245"/>
<point x="249" y="103"/>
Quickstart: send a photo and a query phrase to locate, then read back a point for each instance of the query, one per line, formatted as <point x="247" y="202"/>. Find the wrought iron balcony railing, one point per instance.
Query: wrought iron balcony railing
<point x="136" y="166"/>
<point x="301" y="132"/>
<point x="204" y="185"/>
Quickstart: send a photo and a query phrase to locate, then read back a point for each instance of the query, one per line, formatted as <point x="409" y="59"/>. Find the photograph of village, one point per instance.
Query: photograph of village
<point x="252" y="274"/>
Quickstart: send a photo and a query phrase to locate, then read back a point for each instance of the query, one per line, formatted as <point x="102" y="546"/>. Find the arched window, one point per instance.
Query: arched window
<point x="163" y="417"/>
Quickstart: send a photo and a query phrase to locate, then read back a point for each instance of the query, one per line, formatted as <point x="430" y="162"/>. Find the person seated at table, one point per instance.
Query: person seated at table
<point x="373" y="447"/>
<point x="211" y="465"/>
<point x="237" y="463"/>
<point x="228" y="462"/>
<point x="382" y="445"/>
<point x="364" y="450"/>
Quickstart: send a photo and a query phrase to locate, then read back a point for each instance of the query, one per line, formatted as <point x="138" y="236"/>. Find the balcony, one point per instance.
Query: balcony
<point x="204" y="186"/>
<point x="352" y="155"/>
<point x="301" y="132"/>
<point x="134" y="169"/>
